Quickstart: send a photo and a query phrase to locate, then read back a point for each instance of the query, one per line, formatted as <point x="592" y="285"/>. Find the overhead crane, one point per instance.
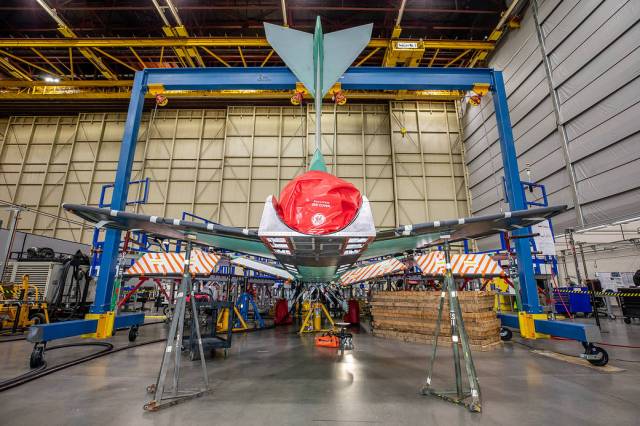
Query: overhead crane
<point x="25" y="86"/>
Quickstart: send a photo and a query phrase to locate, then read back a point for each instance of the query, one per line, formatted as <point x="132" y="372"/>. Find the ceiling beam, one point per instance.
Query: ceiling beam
<point x="271" y="7"/>
<point x="211" y="42"/>
<point x="67" y="32"/>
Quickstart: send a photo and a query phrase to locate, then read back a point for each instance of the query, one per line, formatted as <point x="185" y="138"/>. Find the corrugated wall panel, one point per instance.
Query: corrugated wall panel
<point x="594" y="52"/>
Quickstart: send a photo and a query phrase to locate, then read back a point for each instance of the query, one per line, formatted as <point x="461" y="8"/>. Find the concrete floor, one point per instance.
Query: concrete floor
<point x="274" y="377"/>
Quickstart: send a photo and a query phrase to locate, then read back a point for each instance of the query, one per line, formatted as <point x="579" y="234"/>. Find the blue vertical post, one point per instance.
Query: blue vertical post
<point x="106" y="275"/>
<point x="516" y="196"/>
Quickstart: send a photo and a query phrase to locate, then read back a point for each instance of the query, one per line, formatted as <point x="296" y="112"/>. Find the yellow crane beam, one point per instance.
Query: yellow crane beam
<point x="14" y="70"/>
<point x="84" y="90"/>
<point x="6" y="43"/>
<point x="31" y="64"/>
<point x="67" y="32"/>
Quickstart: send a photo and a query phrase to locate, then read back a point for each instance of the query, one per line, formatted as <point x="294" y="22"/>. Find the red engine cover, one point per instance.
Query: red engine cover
<point x="318" y="203"/>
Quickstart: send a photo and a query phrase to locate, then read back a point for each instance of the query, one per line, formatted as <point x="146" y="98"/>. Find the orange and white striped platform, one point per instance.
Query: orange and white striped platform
<point x="167" y="264"/>
<point x="374" y="270"/>
<point x="462" y="265"/>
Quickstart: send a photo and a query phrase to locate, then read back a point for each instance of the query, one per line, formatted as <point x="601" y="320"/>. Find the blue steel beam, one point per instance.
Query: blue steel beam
<point x="373" y="78"/>
<point x="106" y="274"/>
<point x="59" y="330"/>
<point x="280" y="78"/>
<point x="568" y="330"/>
<point x="128" y="320"/>
<point x="515" y="195"/>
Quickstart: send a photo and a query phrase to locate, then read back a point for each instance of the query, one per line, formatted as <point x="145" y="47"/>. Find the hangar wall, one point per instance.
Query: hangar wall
<point x="221" y="164"/>
<point x="594" y="63"/>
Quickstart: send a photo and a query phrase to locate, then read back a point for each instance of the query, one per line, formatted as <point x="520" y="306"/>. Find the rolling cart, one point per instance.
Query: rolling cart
<point x="211" y="338"/>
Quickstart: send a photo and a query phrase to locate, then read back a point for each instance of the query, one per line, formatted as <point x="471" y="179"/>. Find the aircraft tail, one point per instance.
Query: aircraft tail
<point x="305" y="56"/>
<point x="318" y="60"/>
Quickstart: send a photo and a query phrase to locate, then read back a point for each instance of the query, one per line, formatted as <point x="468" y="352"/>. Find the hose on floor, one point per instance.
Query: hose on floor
<point x="44" y="370"/>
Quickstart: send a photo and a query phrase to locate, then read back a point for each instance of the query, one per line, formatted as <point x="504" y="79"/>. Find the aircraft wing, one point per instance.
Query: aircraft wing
<point x="209" y="234"/>
<point x="411" y="237"/>
<point x="262" y="267"/>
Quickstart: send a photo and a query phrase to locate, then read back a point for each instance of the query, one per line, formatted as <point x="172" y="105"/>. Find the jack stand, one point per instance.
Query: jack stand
<point x="313" y="320"/>
<point x="244" y="302"/>
<point x="222" y="322"/>
<point x="174" y="344"/>
<point x="470" y="398"/>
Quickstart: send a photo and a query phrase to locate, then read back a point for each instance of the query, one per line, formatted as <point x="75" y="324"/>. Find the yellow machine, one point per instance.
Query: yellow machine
<point x="222" y="322"/>
<point x="504" y="302"/>
<point x="313" y="319"/>
<point x="18" y="312"/>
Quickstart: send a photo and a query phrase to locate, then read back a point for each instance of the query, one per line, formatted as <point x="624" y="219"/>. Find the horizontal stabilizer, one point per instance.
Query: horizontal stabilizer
<point x="295" y="48"/>
<point x="341" y="49"/>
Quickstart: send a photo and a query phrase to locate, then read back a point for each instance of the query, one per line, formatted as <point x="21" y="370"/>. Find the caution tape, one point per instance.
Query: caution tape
<point x="597" y="293"/>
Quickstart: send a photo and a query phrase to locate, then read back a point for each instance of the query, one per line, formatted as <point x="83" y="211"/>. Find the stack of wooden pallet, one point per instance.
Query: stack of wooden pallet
<point x="411" y="316"/>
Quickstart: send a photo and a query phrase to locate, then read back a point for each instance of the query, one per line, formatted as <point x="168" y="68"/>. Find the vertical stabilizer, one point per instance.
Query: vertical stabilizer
<point x="318" y="61"/>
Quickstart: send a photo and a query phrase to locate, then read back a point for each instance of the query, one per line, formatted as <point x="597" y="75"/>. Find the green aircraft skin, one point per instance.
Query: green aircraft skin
<point x="317" y="161"/>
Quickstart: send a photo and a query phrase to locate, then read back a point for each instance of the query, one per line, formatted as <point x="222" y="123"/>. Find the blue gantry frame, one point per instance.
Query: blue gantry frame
<point x="361" y="78"/>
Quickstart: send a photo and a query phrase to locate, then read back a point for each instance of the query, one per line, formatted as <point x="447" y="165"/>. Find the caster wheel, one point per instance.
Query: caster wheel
<point x="151" y="388"/>
<point x="505" y="334"/>
<point x="603" y="356"/>
<point x="37" y="357"/>
<point x="133" y="333"/>
<point x="150" y="406"/>
<point x="38" y="318"/>
<point x="627" y="320"/>
<point x="194" y="356"/>
<point x="225" y="353"/>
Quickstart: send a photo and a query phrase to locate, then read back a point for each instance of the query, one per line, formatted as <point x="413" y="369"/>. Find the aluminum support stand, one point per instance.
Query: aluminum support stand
<point x="174" y="345"/>
<point x="459" y="340"/>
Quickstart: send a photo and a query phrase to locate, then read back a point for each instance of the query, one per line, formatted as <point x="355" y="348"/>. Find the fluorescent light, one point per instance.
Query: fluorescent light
<point x="276" y="240"/>
<point x="353" y="246"/>
<point x="351" y="251"/>
<point x="593" y="228"/>
<point x="620" y="222"/>
<point x="52" y="79"/>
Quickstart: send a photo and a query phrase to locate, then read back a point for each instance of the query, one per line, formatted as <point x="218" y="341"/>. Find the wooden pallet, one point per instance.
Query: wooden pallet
<point x="411" y="316"/>
<point x="482" y="345"/>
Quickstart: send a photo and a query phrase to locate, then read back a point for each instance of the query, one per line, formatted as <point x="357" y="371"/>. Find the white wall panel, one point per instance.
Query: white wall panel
<point x="593" y="48"/>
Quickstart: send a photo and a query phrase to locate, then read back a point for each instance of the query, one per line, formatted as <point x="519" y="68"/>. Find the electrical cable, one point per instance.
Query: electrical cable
<point x="45" y="370"/>
<point x="614" y="345"/>
<point x="109" y="349"/>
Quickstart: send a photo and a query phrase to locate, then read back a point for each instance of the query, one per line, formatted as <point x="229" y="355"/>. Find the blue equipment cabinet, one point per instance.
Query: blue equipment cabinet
<point x="573" y="302"/>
